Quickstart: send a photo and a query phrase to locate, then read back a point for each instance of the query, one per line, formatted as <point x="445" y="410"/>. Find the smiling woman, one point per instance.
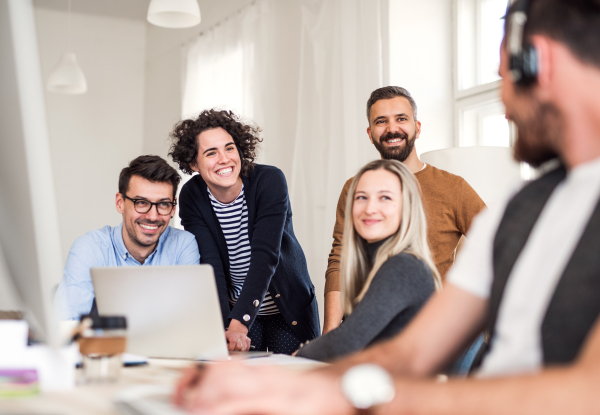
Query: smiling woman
<point x="241" y="216"/>
<point x="387" y="273"/>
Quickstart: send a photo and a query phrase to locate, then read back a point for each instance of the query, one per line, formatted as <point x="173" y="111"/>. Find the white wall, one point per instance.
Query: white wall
<point x="133" y="71"/>
<point x="94" y="135"/>
<point x="421" y="61"/>
<point x="278" y="114"/>
<point x="163" y="83"/>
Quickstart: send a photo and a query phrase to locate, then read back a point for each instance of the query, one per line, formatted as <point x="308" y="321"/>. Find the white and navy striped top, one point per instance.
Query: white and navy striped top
<point x="233" y="218"/>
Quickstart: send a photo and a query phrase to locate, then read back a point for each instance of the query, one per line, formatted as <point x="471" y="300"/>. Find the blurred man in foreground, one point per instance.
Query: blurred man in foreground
<point x="529" y="271"/>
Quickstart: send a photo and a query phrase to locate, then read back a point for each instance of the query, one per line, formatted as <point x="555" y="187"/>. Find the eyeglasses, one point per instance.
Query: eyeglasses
<point x="144" y="206"/>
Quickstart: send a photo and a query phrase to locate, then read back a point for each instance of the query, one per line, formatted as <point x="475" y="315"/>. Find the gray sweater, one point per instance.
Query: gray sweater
<point x="398" y="291"/>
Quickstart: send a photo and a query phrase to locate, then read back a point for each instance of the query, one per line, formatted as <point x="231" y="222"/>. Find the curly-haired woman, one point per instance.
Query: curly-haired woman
<point x="240" y="213"/>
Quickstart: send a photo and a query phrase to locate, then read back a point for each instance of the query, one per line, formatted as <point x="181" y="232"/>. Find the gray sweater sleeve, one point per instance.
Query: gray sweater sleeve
<point x="402" y="285"/>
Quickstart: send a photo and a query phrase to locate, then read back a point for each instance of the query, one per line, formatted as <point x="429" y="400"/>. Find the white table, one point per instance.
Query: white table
<point x="97" y="399"/>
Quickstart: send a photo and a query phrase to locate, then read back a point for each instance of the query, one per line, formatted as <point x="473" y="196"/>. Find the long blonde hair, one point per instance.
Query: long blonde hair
<point x="410" y="237"/>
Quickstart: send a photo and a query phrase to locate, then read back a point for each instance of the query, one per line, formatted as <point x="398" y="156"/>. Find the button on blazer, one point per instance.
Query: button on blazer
<point x="277" y="262"/>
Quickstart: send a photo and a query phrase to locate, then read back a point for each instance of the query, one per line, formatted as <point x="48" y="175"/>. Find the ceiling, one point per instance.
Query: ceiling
<point x="128" y="9"/>
<point x="212" y="10"/>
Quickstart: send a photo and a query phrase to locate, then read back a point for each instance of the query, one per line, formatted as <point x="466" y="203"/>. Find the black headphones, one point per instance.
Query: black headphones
<point x="523" y="56"/>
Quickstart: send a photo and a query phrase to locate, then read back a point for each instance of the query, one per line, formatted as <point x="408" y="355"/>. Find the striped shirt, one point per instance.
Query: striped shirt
<point x="233" y="218"/>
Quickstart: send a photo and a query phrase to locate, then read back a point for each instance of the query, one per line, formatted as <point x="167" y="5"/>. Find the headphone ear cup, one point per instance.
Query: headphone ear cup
<point x="525" y="65"/>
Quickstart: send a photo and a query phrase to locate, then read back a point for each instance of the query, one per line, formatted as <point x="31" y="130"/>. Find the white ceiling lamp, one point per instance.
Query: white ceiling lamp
<point x="67" y="77"/>
<point x="174" y="14"/>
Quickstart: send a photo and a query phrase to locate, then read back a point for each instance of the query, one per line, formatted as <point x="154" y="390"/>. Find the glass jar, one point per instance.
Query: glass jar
<point x="101" y="345"/>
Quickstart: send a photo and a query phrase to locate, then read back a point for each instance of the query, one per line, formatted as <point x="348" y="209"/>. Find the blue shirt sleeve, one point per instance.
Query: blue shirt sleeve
<point x="189" y="254"/>
<point x="75" y="293"/>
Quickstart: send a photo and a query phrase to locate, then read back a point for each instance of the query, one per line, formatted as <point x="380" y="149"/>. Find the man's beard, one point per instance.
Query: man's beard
<point x="133" y="236"/>
<point x="538" y="134"/>
<point x="399" y="153"/>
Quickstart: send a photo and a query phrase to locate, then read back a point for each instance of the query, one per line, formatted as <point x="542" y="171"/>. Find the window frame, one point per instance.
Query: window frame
<point x="479" y="95"/>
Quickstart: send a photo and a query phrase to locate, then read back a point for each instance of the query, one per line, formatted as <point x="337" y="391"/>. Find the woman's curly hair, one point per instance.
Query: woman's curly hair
<point x="184" y="138"/>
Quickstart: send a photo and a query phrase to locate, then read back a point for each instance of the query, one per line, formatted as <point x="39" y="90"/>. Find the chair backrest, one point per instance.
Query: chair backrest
<point x="491" y="171"/>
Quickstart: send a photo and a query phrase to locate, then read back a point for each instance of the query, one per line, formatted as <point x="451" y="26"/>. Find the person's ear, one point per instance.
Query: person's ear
<point x="546" y="59"/>
<point x="119" y="202"/>
<point x="418" y="125"/>
<point x="174" y="208"/>
<point x="369" y="134"/>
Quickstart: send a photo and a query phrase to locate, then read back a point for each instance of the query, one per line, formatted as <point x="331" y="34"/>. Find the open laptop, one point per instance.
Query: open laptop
<point x="172" y="311"/>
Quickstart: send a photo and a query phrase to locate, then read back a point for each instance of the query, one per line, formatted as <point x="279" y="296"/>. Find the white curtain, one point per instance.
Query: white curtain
<point x="303" y="71"/>
<point x="341" y="64"/>
<point x="219" y="68"/>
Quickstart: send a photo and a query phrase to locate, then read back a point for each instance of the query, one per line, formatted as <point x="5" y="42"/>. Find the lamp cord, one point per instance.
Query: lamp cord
<point x="69" y="28"/>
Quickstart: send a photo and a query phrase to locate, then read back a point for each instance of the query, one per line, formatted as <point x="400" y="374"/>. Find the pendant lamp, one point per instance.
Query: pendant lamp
<point x="67" y="77"/>
<point x="174" y="14"/>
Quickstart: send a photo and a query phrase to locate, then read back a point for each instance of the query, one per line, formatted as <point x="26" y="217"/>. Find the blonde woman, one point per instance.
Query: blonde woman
<point x="387" y="273"/>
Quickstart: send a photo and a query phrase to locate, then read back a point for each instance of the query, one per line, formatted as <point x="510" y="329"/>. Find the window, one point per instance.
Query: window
<point x="479" y="29"/>
<point x="215" y="77"/>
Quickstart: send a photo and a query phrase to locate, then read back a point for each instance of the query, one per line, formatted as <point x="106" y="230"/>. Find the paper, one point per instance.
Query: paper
<point x="282" y="359"/>
<point x="55" y="367"/>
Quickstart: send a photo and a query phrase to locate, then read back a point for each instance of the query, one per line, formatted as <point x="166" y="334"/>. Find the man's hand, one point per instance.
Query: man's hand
<point x="333" y="311"/>
<point x="234" y="388"/>
<point x="236" y="336"/>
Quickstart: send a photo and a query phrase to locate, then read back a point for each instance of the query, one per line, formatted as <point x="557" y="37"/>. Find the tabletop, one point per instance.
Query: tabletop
<point x="97" y="399"/>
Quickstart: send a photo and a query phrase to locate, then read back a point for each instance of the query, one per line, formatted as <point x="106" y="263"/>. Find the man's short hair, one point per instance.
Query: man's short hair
<point x="152" y="168"/>
<point x="389" y="92"/>
<point x="575" y="23"/>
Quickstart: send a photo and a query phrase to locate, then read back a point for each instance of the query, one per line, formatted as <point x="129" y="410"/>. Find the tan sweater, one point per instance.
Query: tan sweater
<point x="450" y="205"/>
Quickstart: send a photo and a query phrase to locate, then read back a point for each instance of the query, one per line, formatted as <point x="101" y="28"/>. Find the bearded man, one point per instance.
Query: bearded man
<point x="449" y="202"/>
<point x="529" y="272"/>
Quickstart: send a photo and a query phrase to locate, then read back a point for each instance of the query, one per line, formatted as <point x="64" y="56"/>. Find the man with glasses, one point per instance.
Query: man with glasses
<point x="146" y="199"/>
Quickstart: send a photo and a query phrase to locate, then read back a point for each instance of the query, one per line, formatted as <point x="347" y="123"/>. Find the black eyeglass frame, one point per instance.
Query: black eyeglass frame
<point x="135" y="201"/>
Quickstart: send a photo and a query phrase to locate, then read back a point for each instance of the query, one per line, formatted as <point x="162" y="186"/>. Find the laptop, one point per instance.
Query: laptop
<point x="172" y="311"/>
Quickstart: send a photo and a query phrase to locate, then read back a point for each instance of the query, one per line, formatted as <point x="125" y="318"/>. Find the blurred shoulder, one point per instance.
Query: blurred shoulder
<point x="96" y="238"/>
<point x="405" y="261"/>
<point x="407" y="270"/>
<point x="439" y="176"/>
<point x="267" y="175"/>
<point x="178" y="236"/>
<point x="265" y="170"/>
<point x="194" y="184"/>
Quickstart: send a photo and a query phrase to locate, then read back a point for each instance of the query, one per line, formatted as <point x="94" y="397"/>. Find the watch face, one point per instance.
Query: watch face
<point x="367" y="385"/>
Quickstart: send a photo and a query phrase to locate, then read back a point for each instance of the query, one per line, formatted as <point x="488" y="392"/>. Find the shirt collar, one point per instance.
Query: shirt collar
<point x="590" y="169"/>
<point x="118" y="243"/>
<point x="423" y="169"/>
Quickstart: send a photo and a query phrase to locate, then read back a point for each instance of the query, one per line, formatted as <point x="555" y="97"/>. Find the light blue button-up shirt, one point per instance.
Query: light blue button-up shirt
<point x="105" y="248"/>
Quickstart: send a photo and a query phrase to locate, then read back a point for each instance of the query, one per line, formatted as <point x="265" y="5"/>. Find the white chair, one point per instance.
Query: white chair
<point x="491" y="171"/>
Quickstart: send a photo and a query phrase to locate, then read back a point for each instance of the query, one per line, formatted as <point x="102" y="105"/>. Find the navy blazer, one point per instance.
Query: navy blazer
<point x="277" y="262"/>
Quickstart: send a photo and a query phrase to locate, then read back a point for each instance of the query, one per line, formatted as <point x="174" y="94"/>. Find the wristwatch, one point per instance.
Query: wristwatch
<point x="367" y="385"/>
